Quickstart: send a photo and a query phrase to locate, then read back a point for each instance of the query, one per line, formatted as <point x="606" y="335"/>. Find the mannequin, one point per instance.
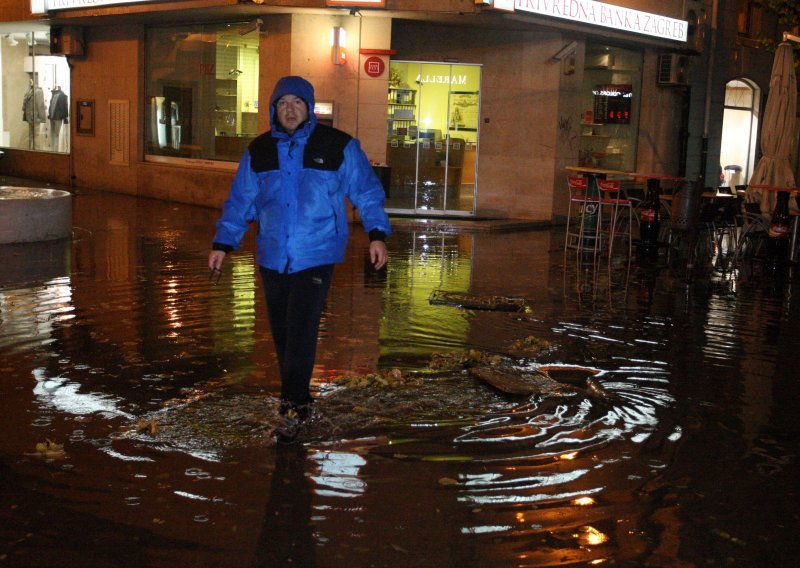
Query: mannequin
<point x="33" y="110"/>
<point x="161" y="121"/>
<point x="175" y="123"/>
<point x="58" y="115"/>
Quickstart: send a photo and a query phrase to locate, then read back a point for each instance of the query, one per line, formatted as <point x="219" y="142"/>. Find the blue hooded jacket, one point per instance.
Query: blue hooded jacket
<point x="295" y="187"/>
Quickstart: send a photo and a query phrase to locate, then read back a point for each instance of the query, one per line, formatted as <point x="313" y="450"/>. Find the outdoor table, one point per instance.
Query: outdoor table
<point x="594" y="174"/>
<point x="660" y="177"/>
<point x="597" y="172"/>
<point x="790" y="190"/>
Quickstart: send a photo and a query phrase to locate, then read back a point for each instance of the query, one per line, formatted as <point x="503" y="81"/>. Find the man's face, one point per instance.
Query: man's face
<point x="292" y="112"/>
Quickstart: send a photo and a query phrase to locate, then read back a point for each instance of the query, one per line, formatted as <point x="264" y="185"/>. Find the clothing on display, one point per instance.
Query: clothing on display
<point x="59" y="105"/>
<point x="58" y="114"/>
<point x="34" y="112"/>
<point x="175" y="124"/>
<point x="33" y="108"/>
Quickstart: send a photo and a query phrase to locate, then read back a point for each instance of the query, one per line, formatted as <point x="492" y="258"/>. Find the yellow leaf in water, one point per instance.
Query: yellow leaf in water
<point x="50" y="449"/>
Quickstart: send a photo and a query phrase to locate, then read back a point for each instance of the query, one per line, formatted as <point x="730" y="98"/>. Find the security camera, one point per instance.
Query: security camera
<point x="566" y="51"/>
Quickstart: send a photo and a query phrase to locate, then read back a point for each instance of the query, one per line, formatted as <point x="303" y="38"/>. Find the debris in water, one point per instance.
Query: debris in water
<point x="509" y="379"/>
<point x="463" y="360"/>
<point x="505" y="380"/>
<point x="391" y="379"/>
<point x="477" y="302"/>
<point x="50" y="449"/>
<point x="147" y="426"/>
<point x="530" y="345"/>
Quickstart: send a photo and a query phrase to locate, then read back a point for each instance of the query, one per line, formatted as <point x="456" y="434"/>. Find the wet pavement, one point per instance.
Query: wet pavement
<point x="161" y="385"/>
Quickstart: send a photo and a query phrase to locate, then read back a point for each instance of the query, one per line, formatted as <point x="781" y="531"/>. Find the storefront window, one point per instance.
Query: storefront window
<point x="34" y="99"/>
<point x="202" y="92"/>
<point x="611" y="102"/>
<point x="432" y="137"/>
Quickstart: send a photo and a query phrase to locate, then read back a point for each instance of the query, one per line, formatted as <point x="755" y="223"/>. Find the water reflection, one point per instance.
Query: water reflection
<point x="162" y="386"/>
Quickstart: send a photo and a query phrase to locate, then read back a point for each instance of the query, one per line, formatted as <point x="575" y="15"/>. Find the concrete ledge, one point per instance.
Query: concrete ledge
<point x="29" y="214"/>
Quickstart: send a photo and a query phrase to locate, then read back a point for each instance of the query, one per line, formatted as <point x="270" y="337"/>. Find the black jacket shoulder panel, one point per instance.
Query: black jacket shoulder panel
<point x="264" y="153"/>
<point x="325" y="148"/>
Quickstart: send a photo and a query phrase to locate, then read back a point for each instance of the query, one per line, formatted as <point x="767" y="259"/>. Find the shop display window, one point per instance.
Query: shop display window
<point x="611" y="104"/>
<point x="432" y="137"/>
<point x="34" y="99"/>
<point x="201" y="92"/>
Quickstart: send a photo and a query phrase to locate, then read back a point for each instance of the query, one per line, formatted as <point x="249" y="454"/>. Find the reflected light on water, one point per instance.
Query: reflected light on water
<point x="338" y="474"/>
<point x="590" y="536"/>
<point x="583" y="501"/>
<point x="447" y="471"/>
<point x="63" y="395"/>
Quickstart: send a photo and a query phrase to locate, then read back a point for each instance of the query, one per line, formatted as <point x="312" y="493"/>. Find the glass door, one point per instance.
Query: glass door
<point x="432" y="138"/>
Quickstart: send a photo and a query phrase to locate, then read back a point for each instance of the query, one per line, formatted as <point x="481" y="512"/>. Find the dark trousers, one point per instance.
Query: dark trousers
<point x="295" y="303"/>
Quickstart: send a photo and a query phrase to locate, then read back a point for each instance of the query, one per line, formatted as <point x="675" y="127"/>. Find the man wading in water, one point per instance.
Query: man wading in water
<point x="293" y="180"/>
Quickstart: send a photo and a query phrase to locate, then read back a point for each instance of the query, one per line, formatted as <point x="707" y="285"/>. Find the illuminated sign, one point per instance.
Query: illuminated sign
<point x="323" y="108"/>
<point x="44" y="6"/>
<point x="612" y="104"/>
<point x="601" y="14"/>
<point x="443" y="79"/>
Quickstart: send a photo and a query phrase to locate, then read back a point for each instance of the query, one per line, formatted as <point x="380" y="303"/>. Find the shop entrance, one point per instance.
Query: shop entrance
<point x="432" y="141"/>
<point x="739" y="127"/>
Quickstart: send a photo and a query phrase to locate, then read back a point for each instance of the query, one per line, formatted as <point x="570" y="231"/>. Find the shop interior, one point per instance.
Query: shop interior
<point x="432" y="137"/>
<point x="202" y="91"/>
<point x="611" y="101"/>
<point x="34" y="101"/>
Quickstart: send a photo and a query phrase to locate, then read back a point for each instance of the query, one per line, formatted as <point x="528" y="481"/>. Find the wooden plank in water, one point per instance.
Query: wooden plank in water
<point x="508" y="382"/>
<point x="476" y="302"/>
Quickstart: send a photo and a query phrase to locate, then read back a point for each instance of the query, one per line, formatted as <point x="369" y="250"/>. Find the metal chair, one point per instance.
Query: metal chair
<point x="753" y="230"/>
<point x="613" y="198"/>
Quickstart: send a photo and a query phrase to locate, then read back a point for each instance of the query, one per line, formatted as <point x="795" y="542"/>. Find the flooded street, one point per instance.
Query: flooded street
<point x="682" y="449"/>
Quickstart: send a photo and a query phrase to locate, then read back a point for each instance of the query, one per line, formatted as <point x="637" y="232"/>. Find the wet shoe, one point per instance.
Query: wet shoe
<point x="289" y="423"/>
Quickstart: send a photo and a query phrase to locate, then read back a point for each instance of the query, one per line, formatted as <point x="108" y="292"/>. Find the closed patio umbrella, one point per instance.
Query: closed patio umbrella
<point x="777" y="130"/>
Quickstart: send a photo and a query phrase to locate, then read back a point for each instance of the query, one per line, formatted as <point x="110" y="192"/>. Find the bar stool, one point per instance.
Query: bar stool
<point x="612" y="197"/>
<point x="584" y="218"/>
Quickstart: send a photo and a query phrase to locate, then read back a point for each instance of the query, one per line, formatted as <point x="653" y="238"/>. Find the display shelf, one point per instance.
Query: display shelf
<point x="402" y="96"/>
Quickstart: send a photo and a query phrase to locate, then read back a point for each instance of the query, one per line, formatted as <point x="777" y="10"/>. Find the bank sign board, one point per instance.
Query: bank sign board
<point x="601" y="14"/>
<point x="43" y="6"/>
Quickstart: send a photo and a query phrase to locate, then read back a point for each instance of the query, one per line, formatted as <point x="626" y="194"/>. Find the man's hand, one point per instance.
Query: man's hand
<point x="378" y="254"/>
<point x="215" y="259"/>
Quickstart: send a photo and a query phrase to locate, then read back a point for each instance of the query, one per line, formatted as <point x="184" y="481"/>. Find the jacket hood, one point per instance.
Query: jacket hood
<point x="292" y="85"/>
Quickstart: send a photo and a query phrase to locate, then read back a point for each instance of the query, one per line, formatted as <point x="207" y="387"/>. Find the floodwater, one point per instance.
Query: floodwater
<point x="161" y="385"/>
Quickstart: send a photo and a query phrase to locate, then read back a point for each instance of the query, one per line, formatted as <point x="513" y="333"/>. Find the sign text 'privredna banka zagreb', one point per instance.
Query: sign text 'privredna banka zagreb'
<point x="602" y="14"/>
